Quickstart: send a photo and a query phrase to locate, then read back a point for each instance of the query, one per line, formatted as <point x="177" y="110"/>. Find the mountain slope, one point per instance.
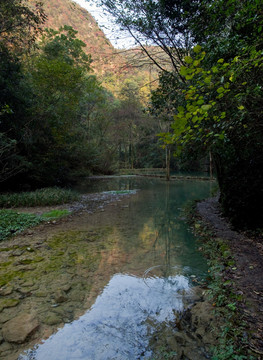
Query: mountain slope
<point x="67" y="12"/>
<point x="112" y="66"/>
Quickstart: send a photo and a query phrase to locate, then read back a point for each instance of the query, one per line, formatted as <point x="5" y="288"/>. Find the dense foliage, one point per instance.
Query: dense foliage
<point x="57" y="122"/>
<point x="213" y="88"/>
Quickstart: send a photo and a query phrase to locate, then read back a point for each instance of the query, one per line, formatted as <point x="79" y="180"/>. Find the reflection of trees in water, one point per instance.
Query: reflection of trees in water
<point x="170" y="235"/>
<point x="149" y="231"/>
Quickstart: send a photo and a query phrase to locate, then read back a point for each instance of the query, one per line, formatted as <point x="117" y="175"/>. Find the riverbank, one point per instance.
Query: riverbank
<point x="40" y="290"/>
<point x="238" y="273"/>
<point x="40" y="249"/>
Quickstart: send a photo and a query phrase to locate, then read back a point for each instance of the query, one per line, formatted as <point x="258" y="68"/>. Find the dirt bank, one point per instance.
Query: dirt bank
<point x="246" y="275"/>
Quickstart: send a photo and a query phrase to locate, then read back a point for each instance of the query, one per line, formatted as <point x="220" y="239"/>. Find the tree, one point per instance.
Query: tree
<point x="59" y="75"/>
<point x="221" y="85"/>
<point x="222" y="114"/>
<point x="158" y="23"/>
<point x="19" y="24"/>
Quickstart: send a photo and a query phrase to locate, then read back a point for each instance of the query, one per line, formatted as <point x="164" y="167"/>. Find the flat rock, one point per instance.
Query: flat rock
<point x="7" y="303"/>
<point x="19" y="328"/>
<point x="4" y="291"/>
<point x="60" y="296"/>
<point x="52" y="319"/>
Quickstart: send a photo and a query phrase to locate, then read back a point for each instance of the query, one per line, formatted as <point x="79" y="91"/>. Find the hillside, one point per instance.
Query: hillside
<point x="112" y="66"/>
<point x="67" y="12"/>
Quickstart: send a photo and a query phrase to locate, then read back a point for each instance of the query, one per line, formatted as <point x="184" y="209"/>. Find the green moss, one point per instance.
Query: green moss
<point x="62" y="263"/>
<point x="7" y="303"/>
<point x="9" y="248"/>
<point x="55" y="214"/>
<point x="36" y="259"/>
<point x="7" y="276"/>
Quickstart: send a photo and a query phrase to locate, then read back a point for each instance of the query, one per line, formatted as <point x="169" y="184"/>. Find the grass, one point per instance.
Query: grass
<point x="55" y="214"/>
<point x="42" y="197"/>
<point x="12" y="222"/>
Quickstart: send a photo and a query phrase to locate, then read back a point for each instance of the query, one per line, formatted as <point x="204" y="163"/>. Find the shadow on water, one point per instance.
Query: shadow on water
<point x="153" y="266"/>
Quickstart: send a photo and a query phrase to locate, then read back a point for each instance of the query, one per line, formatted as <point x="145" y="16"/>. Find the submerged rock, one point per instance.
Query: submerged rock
<point x="20" y="328"/>
<point x="195" y="332"/>
<point x="60" y="296"/>
<point x="52" y="318"/>
<point x="7" y="303"/>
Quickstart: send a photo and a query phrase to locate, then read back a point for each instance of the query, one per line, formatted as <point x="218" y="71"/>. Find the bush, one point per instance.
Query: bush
<point x="42" y="197"/>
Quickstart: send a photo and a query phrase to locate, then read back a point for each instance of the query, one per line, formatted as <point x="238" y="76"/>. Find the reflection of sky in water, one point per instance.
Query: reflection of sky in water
<point x="148" y="234"/>
<point x="116" y="325"/>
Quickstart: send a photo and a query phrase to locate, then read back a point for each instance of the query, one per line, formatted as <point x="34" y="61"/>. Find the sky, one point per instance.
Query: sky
<point x="117" y="38"/>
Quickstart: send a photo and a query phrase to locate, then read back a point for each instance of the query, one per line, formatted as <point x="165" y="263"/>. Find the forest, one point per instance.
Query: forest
<point x="59" y="123"/>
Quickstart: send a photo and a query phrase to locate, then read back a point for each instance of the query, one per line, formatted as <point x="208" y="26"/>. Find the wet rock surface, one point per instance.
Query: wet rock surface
<point x="193" y="335"/>
<point x="57" y="279"/>
<point x="50" y="272"/>
<point x="19" y="328"/>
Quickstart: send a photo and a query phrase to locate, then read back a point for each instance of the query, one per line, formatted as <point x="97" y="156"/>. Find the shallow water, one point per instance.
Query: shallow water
<point x="143" y="278"/>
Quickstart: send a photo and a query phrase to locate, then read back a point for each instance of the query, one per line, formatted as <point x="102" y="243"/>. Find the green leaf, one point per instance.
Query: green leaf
<point x="207" y="80"/>
<point x="188" y="59"/>
<point x="184" y="70"/>
<point x="180" y="109"/>
<point x="197" y="49"/>
<point x="206" y="107"/>
<point x="200" y="102"/>
<point x="220" y="90"/>
<point x="215" y="69"/>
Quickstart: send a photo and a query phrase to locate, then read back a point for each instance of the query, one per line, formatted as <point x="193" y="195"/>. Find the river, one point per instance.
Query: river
<point x="123" y="272"/>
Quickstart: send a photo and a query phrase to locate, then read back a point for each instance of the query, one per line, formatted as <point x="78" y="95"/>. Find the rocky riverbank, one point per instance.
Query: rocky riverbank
<point x="40" y="290"/>
<point x="48" y="273"/>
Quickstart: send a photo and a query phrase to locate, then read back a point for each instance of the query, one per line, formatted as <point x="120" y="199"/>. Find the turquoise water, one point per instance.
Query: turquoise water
<point x="156" y="265"/>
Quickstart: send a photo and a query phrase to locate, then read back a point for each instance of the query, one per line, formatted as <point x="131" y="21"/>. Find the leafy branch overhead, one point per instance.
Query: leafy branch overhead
<point x="216" y="100"/>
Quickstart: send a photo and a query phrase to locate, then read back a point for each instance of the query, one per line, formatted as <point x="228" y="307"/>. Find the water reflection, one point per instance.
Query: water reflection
<point x="119" y="323"/>
<point x="151" y="242"/>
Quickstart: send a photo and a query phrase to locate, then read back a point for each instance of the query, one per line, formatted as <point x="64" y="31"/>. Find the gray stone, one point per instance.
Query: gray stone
<point x="60" y="296"/>
<point x="52" y="319"/>
<point x="40" y="293"/>
<point x="5" y="347"/>
<point x="20" y="328"/>
<point x="65" y="287"/>
<point x="4" y="291"/>
<point x="7" y="303"/>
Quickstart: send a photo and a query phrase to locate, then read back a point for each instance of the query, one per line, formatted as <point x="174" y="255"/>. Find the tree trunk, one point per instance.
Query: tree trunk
<point x="168" y="158"/>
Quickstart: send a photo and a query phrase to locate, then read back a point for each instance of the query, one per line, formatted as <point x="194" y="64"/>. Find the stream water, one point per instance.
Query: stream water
<point x="147" y="267"/>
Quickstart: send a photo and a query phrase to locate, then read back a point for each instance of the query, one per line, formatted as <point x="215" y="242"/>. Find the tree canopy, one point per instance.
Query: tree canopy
<point x="213" y="88"/>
